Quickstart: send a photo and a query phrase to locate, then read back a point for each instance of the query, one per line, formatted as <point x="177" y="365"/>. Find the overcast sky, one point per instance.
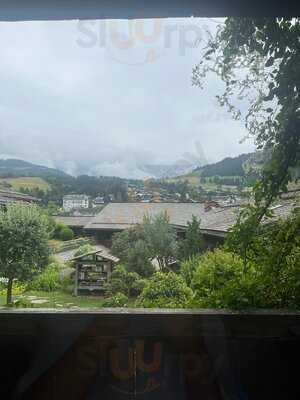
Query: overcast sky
<point x="105" y="98"/>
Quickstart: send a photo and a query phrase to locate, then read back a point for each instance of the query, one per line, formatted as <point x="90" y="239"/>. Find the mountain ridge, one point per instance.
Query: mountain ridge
<point x="228" y="166"/>
<point x="14" y="168"/>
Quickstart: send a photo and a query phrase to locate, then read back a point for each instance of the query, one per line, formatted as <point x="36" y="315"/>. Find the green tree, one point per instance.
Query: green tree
<point x="269" y="279"/>
<point x="258" y="60"/>
<point x="136" y="247"/>
<point x="24" y="246"/>
<point x="130" y="247"/>
<point x="66" y="233"/>
<point x="192" y="244"/>
<point x="48" y="280"/>
<point x="165" y="290"/>
<point x="160" y="238"/>
<point x="139" y="258"/>
<point x="274" y="250"/>
<point x="188" y="268"/>
<point x="117" y="300"/>
<point x="219" y="281"/>
<point x="122" y="281"/>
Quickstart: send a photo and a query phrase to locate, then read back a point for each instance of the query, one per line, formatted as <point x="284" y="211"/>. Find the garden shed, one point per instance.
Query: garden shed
<point x="92" y="271"/>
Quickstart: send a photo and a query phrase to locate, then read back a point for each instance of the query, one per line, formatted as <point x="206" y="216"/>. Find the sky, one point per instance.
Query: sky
<point x="106" y="97"/>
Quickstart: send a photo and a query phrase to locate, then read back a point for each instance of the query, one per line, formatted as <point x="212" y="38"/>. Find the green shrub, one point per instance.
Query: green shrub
<point x="57" y="229"/>
<point x="18" y="288"/>
<point x="66" y="233"/>
<point x="137" y="287"/>
<point x="58" y="247"/>
<point x="165" y="290"/>
<point x="49" y="280"/>
<point x="67" y="284"/>
<point x="188" y="268"/>
<point x="118" y="300"/>
<point x="62" y="232"/>
<point x="122" y="281"/>
<point x="214" y="269"/>
<point x="221" y="281"/>
<point x="86" y="248"/>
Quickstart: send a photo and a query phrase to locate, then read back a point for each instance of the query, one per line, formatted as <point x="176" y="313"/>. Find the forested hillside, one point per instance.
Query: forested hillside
<point x="51" y="184"/>
<point x="12" y="168"/>
<point x="230" y="166"/>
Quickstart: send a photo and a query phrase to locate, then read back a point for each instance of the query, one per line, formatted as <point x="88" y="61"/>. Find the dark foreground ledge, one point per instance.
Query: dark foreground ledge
<point x="146" y="353"/>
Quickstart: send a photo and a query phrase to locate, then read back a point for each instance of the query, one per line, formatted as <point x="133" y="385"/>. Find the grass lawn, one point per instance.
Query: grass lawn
<point x="27" y="182"/>
<point x="61" y="300"/>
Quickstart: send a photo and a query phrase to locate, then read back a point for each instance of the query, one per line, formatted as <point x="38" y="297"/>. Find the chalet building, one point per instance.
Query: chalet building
<point x="75" y="202"/>
<point x="92" y="271"/>
<point x="9" y="196"/>
<point x="216" y="220"/>
<point x="116" y="217"/>
<point x="98" y="201"/>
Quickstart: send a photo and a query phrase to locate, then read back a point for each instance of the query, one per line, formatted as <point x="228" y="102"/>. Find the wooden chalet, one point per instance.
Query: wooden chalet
<point x="92" y="271"/>
<point x="9" y="196"/>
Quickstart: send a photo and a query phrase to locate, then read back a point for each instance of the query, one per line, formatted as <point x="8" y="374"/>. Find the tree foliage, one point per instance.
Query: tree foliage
<point x="188" y="268"/>
<point x="62" y="232"/>
<point x="66" y="233"/>
<point x="192" y="244"/>
<point x="122" y="281"/>
<point x="269" y="244"/>
<point x="269" y="279"/>
<point x="84" y="249"/>
<point x="129" y="245"/>
<point x="165" y="290"/>
<point x="229" y="166"/>
<point x="160" y="239"/>
<point x="258" y="60"/>
<point x="24" y="246"/>
<point x="117" y="300"/>
<point x="48" y="280"/>
<point x="136" y="247"/>
<point x="111" y="188"/>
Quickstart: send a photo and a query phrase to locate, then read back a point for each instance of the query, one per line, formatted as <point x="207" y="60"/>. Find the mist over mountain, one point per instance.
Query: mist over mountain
<point x="15" y="168"/>
<point x="107" y="161"/>
<point x="159" y="171"/>
<point x="229" y="166"/>
<point x="226" y="167"/>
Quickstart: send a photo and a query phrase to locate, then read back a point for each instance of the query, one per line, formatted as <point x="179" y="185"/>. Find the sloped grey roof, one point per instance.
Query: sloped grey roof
<point x="284" y="209"/>
<point x="9" y="196"/>
<point x="104" y="254"/>
<point x="120" y="216"/>
<point x="79" y="221"/>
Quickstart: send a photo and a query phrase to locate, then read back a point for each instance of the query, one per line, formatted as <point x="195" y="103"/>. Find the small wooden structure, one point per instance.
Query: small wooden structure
<point x="93" y="270"/>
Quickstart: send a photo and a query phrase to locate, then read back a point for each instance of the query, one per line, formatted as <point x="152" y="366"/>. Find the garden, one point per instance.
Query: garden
<point x="256" y="274"/>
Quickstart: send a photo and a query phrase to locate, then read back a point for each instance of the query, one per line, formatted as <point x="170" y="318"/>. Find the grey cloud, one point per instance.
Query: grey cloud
<point x="79" y="109"/>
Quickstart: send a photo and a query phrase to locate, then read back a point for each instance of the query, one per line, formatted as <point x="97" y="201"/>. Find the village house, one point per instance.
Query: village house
<point x="10" y="196"/>
<point x="98" y="201"/>
<point x="75" y="202"/>
<point x="116" y="217"/>
<point x="216" y="220"/>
